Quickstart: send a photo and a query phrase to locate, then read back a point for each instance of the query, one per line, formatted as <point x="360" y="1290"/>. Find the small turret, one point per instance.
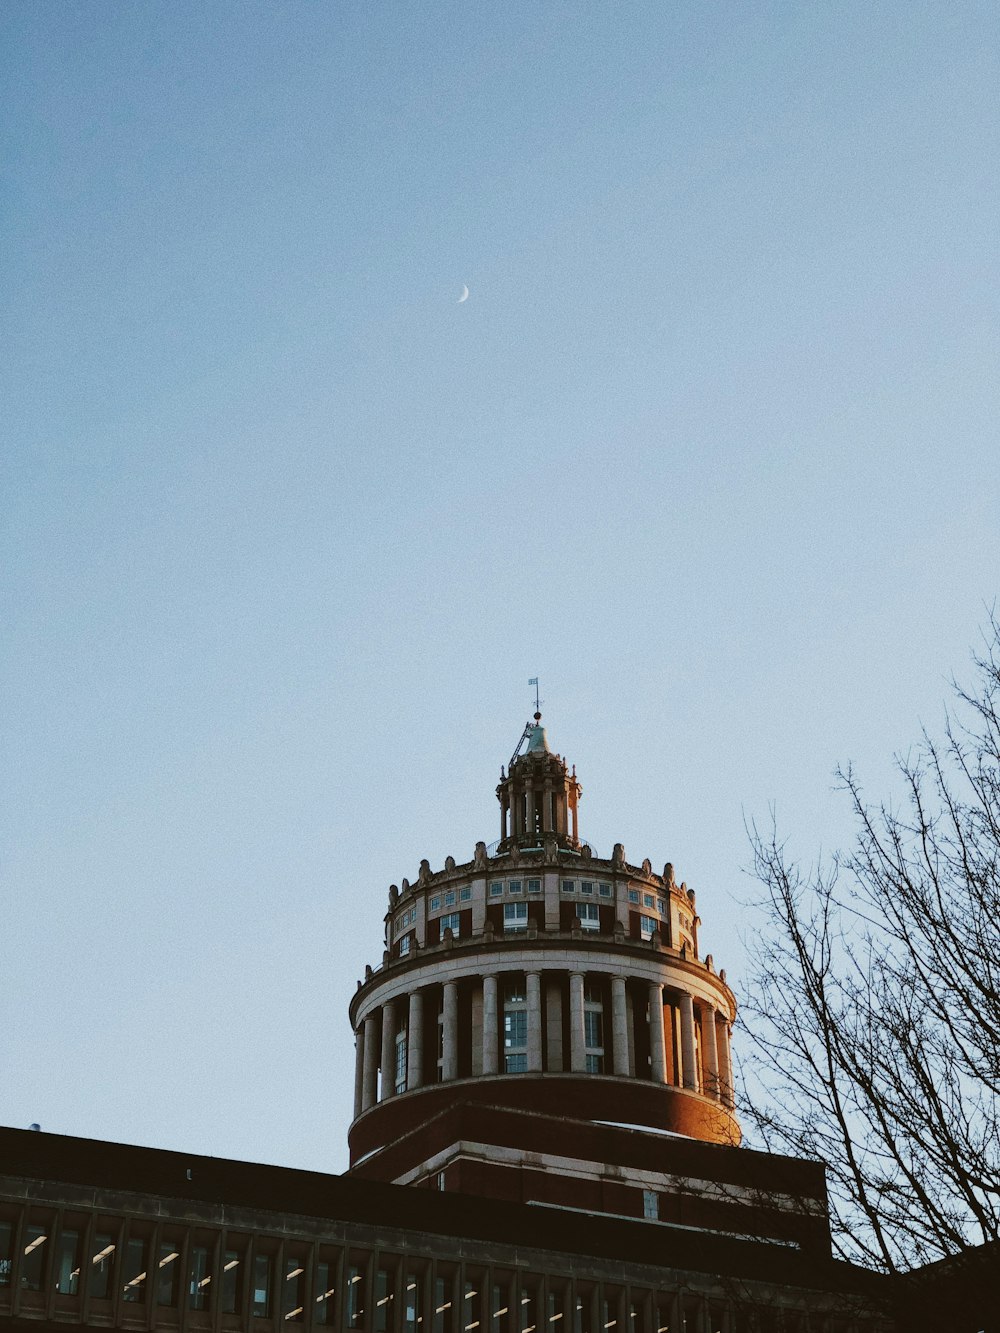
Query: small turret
<point x="539" y="796"/>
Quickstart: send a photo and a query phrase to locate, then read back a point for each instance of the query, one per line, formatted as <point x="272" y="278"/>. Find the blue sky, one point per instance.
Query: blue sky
<point x="711" y="449"/>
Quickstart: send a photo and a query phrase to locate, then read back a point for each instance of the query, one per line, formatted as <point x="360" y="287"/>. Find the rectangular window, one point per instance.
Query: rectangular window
<point x="515" y="1029"/>
<point x="465" y="895"/>
<point x="435" y="904"/>
<point x="514" y="886"/>
<point x="633" y="895"/>
<point x="261" y="1286"/>
<point x="648" y="901"/>
<point x="451" y="921"/>
<point x="231" y="1282"/>
<point x="67" y="1274"/>
<point x="534" y="886"/>
<point x="496" y="888"/>
<point x="167" y="1269"/>
<point x="650" y="1204"/>
<point x="587" y="886"/>
<point x="355" y="1296"/>
<point x="404" y="946"/>
<point x="661" y="907"/>
<point x="443" y="1321"/>
<point x="400" y="1083"/>
<point x="589" y="916"/>
<point x="449" y="898"/>
<point x="647" y="924"/>
<point x="33" y="1260"/>
<point x="569" y="886"/>
<point x="593" y="1028"/>
<point x="293" y="1295"/>
<point x="101" y="1265"/>
<point x="515" y="916"/>
<point x="500" y="1316"/>
<point x="411" y="1304"/>
<point x="324" y="1304"/>
<point x="515" y="1024"/>
<point x="6" y="1253"/>
<point x="595" y="1063"/>
<point x="199" y="1278"/>
<point x="134" y="1274"/>
<point x="384" y="1296"/>
<point x="604" y="890"/>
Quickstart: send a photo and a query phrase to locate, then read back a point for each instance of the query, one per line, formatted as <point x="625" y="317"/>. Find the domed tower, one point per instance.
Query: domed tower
<point x="533" y="998"/>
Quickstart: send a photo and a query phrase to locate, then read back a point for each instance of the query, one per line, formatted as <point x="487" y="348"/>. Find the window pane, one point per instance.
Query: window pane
<point x="199" y="1278"/>
<point x="67" y="1274"/>
<point x="168" y="1267"/>
<point x="528" y="1306"/>
<point x="33" y="1261"/>
<point x="593" y="1028"/>
<point x="101" y="1265"/>
<point x="356" y="1295"/>
<point x="6" y="1258"/>
<point x="324" y="1293"/>
<point x="443" y="1313"/>
<point x="231" y="1282"/>
<point x="262" y="1285"/>
<point x="134" y="1273"/>
<point x="515" y="1028"/>
<point x="384" y="1298"/>
<point x="500" y="1316"/>
<point x="473" y="1293"/>
<point x="514" y="989"/>
<point x="412" y="1314"/>
<point x="292" y="1293"/>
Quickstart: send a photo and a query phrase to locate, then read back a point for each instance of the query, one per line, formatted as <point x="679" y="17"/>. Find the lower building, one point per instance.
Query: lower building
<point x="103" y="1235"/>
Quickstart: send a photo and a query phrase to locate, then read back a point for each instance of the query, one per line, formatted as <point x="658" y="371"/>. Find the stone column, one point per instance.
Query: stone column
<point x="725" y="1066"/>
<point x="534" y="995"/>
<point x="689" y="1070"/>
<point x="561" y="799"/>
<point x="577" y="1036"/>
<point x="449" y="1065"/>
<point x="369" y="1085"/>
<point x="359" y="1069"/>
<point x="503" y="817"/>
<point x="388" y="1049"/>
<point x="490" y="1034"/>
<point x="657" y="1050"/>
<point x="619" y="1026"/>
<point x="709" y="1052"/>
<point x="547" y="807"/>
<point x="529" y="801"/>
<point x="415" y="1041"/>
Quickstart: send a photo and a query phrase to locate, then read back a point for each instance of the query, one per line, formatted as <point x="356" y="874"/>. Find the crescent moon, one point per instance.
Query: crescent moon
<point x="465" y="295"/>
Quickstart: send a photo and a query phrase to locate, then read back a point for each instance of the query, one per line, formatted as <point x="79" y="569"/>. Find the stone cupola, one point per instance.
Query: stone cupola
<point x="539" y="796"/>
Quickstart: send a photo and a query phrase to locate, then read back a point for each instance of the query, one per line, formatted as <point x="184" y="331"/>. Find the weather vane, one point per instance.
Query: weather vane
<point x="538" y="702"/>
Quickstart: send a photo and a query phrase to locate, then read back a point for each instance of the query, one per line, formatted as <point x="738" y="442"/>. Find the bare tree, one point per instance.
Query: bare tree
<point x="874" y="1019"/>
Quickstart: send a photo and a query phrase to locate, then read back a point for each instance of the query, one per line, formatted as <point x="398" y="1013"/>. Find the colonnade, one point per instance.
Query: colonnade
<point x="688" y="1047"/>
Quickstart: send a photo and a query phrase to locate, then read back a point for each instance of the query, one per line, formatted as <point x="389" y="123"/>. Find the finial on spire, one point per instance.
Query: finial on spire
<point x="538" y="703"/>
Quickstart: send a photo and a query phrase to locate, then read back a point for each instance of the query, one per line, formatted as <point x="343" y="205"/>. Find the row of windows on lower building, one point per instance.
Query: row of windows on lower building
<point x="169" y="1268"/>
